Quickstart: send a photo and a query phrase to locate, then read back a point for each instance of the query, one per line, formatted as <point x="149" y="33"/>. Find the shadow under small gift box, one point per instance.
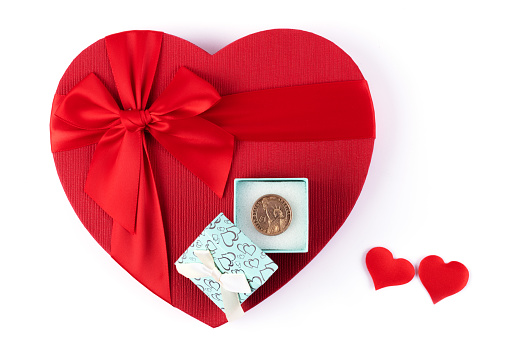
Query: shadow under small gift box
<point x="295" y="191"/>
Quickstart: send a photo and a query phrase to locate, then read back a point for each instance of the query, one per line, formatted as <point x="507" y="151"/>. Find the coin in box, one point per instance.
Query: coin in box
<point x="271" y="214"/>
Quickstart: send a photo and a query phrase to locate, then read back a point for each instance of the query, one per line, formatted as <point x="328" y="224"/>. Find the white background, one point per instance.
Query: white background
<point x="438" y="183"/>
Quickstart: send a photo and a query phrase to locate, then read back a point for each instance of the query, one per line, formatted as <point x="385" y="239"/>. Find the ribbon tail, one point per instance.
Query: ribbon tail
<point x="232" y="307"/>
<point x="327" y="111"/>
<point x="113" y="178"/>
<point x="144" y="253"/>
<point x="235" y="283"/>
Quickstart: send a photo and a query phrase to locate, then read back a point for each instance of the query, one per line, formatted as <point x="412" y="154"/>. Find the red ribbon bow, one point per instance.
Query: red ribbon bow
<point x="120" y="177"/>
<point x="121" y="153"/>
<point x="195" y="125"/>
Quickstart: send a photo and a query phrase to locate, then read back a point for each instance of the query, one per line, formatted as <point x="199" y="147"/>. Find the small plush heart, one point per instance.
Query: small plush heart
<point x="387" y="271"/>
<point x="442" y="280"/>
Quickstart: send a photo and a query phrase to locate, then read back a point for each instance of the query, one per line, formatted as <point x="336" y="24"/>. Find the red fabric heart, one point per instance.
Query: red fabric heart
<point x="277" y="58"/>
<point x="442" y="280"/>
<point x="387" y="271"/>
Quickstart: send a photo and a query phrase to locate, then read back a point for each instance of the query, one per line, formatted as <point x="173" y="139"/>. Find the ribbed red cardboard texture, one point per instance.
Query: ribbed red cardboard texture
<point x="336" y="169"/>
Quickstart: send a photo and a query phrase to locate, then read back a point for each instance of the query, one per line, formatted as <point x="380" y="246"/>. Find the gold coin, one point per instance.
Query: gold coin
<point x="271" y="214"/>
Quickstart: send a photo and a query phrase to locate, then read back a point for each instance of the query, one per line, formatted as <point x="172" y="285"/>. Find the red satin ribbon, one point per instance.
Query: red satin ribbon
<point x="195" y="125"/>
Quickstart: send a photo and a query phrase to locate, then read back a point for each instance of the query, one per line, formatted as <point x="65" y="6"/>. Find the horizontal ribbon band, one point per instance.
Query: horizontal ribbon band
<point x="195" y="125"/>
<point x="231" y="284"/>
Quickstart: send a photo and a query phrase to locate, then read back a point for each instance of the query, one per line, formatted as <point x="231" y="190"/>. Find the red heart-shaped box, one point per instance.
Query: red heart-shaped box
<point x="336" y="169"/>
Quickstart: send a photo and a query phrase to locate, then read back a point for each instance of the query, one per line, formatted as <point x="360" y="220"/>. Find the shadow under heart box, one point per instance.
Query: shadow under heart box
<point x="148" y="133"/>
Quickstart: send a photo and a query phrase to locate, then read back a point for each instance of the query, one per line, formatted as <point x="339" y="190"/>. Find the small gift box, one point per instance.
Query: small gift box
<point x="226" y="265"/>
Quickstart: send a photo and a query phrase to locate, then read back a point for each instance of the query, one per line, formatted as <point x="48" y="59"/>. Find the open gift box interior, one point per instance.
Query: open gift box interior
<point x="294" y="191"/>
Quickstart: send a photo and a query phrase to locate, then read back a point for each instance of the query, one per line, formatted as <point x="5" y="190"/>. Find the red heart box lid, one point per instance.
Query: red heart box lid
<point x="336" y="168"/>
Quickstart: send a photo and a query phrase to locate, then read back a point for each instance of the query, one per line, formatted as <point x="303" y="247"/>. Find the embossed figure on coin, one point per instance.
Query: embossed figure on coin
<point x="271" y="214"/>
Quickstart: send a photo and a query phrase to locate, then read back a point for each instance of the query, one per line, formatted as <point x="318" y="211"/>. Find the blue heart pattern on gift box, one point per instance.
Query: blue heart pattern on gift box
<point x="246" y="248"/>
<point x="233" y="252"/>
